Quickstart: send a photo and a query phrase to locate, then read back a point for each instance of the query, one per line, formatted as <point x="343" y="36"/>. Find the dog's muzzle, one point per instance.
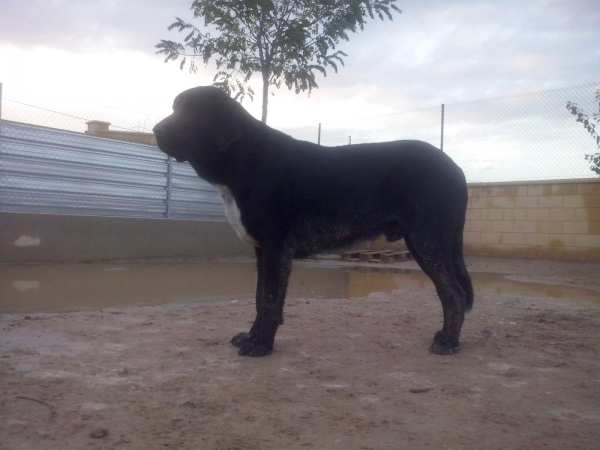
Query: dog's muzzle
<point x="164" y="141"/>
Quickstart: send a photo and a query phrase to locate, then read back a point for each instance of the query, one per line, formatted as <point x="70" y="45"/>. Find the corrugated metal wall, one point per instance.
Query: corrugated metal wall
<point x="46" y="170"/>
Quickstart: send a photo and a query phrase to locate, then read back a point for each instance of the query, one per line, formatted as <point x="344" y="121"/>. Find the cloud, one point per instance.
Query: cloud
<point x="95" y="59"/>
<point x="89" y="25"/>
<point x="456" y="51"/>
<point x="434" y="52"/>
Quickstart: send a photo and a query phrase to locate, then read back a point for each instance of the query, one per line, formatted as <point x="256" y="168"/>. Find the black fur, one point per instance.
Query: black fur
<point x="297" y="198"/>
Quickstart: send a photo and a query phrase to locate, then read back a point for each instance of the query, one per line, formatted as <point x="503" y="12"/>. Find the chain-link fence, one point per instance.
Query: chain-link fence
<point x="72" y="115"/>
<point x="421" y="124"/>
<point x="515" y="138"/>
<point x="523" y="137"/>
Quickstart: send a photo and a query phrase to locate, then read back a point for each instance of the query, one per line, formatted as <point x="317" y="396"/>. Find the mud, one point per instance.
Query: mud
<point x="59" y="287"/>
<point x="351" y="371"/>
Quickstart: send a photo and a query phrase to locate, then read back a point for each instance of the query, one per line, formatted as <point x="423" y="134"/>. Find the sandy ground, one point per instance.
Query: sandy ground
<point x="346" y="373"/>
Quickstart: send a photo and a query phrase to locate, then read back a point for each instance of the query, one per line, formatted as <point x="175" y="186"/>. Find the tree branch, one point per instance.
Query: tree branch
<point x="286" y="40"/>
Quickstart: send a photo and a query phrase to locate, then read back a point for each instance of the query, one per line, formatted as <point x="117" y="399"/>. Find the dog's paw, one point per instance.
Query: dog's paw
<point x="256" y="350"/>
<point x="248" y="347"/>
<point x="442" y="345"/>
<point x="240" y="339"/>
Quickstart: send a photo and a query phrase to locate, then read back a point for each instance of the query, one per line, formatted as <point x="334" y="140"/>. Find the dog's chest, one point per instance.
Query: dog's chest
<point x="232" y="212"/>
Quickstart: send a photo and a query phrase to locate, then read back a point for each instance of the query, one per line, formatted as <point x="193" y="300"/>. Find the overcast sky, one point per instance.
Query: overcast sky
<point x="101" y="53"/>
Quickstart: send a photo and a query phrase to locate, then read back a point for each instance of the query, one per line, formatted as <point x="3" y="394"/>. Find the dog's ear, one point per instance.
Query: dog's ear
<point x="227" y="127"/>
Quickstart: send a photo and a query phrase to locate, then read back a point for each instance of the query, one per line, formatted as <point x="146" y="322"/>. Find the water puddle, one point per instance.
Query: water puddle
<point x="30" y="288"/>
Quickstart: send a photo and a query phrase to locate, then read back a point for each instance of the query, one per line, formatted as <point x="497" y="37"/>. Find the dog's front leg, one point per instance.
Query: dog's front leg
<point x="274" y="266"/>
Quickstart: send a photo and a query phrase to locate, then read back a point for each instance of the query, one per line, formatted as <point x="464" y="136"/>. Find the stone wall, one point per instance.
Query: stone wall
<point x="543" y="219"/>
<point x="546" y="220"/>
<point x="550" y="219"/>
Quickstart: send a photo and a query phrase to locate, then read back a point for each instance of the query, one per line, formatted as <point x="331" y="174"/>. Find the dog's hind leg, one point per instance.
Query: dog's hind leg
<point x="460" y="269"/>
<point x="433" y="253"/>
<point x="274" y="268"/>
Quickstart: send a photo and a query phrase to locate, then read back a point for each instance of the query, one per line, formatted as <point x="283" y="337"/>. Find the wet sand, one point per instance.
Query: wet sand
<point x="351" y="368"/>
<point x="61" y="287"/>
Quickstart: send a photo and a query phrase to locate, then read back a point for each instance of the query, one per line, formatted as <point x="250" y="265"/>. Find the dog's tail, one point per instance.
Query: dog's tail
<point x="460" y="269"/>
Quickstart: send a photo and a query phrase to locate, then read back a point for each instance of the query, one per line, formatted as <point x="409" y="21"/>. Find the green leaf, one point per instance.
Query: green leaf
<point x="286" y="40"/>
<point x="590" y="128"/>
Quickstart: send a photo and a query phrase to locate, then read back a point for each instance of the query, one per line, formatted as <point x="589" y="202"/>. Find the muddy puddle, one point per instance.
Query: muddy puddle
<point x="51" y="287"/>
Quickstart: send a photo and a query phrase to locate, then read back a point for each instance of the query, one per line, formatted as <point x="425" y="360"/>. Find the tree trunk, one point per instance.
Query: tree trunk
<point x="265" y="97"/>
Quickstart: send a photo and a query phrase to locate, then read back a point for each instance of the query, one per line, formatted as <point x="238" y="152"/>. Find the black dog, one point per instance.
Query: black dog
<point x="290" y="199"/>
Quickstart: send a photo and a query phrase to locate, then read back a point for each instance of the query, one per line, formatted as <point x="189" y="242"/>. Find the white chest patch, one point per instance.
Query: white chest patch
<point x="232" y="212"/>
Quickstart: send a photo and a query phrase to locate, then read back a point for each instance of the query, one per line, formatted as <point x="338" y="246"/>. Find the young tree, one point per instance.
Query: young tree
<point x="591" y="128"/>
<point x="286" y="41"/>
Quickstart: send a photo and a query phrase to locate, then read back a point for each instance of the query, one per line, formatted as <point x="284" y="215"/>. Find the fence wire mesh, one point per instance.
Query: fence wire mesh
<point x="71" y="115"/>
<point x="522" y="137"/>
<point x="525" y="137"/>
<point x="422" y="124"/>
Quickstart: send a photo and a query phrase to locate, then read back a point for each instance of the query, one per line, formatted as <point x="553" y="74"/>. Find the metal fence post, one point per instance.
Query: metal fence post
<point x="318" y="135"/>
<point x="0" y="119"/>
<point x="169" y="186"/>
<point x="442" y="134"/>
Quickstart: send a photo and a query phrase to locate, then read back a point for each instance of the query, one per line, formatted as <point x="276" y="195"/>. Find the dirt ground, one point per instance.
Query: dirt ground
<point x="346" y="373"/>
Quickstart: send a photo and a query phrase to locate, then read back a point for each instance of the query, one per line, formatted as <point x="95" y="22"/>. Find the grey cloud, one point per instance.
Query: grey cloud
<point x="89" y="25"/>
<point x="457" y="51"/>
<point x="435" y="51"/>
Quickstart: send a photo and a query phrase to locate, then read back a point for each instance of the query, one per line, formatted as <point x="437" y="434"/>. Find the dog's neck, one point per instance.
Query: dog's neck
<point x="256" y="141"/>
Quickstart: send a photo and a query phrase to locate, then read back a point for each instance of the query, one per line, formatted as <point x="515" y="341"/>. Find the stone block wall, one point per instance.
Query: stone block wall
<point x="550" y="220"/>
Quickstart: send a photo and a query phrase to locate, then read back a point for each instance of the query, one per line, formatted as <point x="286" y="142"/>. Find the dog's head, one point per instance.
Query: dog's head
<point x="205" y="121"/>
